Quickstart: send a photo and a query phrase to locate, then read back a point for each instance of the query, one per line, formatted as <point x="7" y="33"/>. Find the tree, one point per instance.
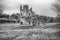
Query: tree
<point x="1" y="6"/>
<point x="16" y="16"/>
<point x="56" y="8"/>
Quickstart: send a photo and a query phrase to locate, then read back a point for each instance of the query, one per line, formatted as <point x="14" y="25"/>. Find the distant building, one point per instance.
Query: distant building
<point x="25" y="7"/>
<point x="28" y="17"/>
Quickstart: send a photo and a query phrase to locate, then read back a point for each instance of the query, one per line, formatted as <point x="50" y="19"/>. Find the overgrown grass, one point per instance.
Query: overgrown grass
<point x="40" y="34"/>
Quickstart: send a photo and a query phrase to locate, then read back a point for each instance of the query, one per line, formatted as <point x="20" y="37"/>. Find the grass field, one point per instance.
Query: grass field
<point x="13" y="31"/>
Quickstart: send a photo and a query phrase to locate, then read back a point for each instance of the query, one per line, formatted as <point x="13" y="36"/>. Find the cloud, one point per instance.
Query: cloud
<point x="35" y="1"/>
<point x="39" y="6"/>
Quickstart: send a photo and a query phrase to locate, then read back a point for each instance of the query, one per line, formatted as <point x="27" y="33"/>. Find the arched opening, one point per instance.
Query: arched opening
<point x="29" y="14"/>
<point x="29" y="23"/>
<point x="21" y="14"/>
<point x="34" y="23"/>
<point x="21" y="23"/>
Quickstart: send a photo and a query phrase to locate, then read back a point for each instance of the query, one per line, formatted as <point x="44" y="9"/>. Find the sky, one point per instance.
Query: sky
<point x="40" y="7"/>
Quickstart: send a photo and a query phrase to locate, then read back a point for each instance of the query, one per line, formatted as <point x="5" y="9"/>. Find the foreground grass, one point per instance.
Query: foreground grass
<point x="29" y="34"/>
<point x="11" y="33"/>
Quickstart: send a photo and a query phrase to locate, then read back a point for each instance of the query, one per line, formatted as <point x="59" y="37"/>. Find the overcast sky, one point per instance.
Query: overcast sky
<point x="41" y="7"/>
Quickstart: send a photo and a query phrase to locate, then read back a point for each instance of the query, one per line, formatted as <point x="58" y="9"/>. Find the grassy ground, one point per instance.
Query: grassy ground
<point x="14" y="32"/>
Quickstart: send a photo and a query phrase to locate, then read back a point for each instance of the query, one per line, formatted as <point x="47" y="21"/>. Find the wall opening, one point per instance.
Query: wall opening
<point x="21" y="14"/>
<point x="21" y="23"/>
<point x="29" y="23"/>
<point x="29" y="14"/>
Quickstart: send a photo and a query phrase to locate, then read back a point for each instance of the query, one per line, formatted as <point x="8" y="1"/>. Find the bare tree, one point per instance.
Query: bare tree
<point x="56" y="7"/>
<point x="1" y="6"/>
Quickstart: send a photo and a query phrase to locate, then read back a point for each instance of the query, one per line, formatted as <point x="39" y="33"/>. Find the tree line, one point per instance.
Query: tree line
<point x="42" y="18"/>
